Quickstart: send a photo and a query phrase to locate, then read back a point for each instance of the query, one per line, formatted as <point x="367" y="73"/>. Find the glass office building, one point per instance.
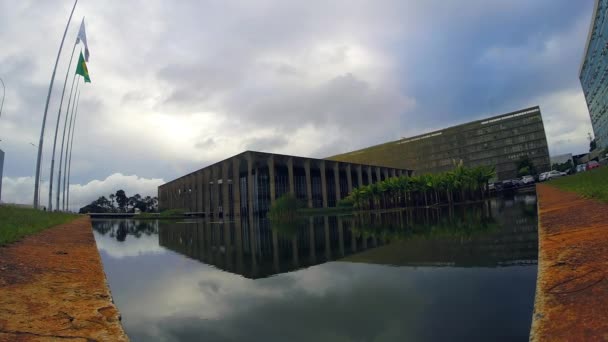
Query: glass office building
<point x="594" y="72"/>
<point x="500" y="141"/>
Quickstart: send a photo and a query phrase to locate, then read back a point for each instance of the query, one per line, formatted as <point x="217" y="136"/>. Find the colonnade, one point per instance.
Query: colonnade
<point x="227" y="187"/>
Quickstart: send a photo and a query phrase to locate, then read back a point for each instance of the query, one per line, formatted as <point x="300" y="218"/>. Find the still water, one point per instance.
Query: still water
<point x="441" y="274"/>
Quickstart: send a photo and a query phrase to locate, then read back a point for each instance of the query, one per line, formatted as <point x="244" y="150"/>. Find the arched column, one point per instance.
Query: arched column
<point x="323" y="183"/>
<point x="349" y="178"/>
<point x="308" y="182"/>
<point x="337" y="182"/>
<point x="236" y="185"/>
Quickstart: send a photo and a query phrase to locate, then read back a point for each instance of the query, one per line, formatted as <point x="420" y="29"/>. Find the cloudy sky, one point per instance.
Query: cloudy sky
<point x="181" y="84"/>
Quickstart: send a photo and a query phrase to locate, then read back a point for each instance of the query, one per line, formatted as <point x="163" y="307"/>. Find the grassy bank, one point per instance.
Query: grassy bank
<point x="16" y="222"/>
<point x="171" y="213"/>
<point x="590" y="184"/>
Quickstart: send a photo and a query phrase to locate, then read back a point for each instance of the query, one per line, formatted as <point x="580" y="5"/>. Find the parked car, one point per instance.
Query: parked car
<point x="543" y="176"/>
<point x="581" y="168"/>
<point x="592" y="165"/>
<point x="517" y="183"/>
<point x="497" y="186"/>
<point x="508" y="184"/>
<point x="554" y="174"/>
<point x="527" y="180"/>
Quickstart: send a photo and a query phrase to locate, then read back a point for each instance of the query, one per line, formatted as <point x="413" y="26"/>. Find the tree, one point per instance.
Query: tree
<point x="112" y="198"/>
<point x="122" y="200"/>
<point x="100" y="205"/>
<point x="459" y="185"/>
<point x="592" y="145"/>
<point x="526" y="167"/>
<point x="125" y="204"/>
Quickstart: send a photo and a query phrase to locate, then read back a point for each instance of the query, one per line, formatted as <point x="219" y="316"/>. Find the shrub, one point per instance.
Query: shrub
<point x="347" y="202"/>
<point x="285" y="208"/>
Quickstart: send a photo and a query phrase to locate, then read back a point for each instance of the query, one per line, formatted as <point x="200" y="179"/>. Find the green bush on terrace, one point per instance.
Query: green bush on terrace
<point x="285" y="208"/>
<point x="459" y="185"/>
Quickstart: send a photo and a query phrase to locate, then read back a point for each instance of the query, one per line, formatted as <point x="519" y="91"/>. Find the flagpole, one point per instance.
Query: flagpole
<point x="3" y="96"/>
<point x="71" y="148"/>
<point x="65" y="82"/>
<point x="65" y="124"/>
<point x="68" y="142"/>
<point x="46" y="109"/>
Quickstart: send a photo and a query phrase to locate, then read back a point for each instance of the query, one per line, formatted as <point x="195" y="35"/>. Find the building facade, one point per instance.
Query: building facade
<point x="499" y="141"/>
<point x="251" y="181"/>
<point x="562" y="158"/>
<point x="593" y="72"/>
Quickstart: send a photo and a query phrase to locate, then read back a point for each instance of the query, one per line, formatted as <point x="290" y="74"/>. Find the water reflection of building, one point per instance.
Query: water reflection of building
<point x="507" y="235"/>
<point x="495" y="234"/>
<point x="256" y="250"/>
<point x="264" y="177"/>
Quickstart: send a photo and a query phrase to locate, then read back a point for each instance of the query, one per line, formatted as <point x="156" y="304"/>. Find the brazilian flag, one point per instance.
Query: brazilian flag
<point x="82" y="69"/>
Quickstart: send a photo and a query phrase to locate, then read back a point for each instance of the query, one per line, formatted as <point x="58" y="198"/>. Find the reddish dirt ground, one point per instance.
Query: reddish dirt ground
<point x="53" y="287"/>
<point x="572" y="290"/>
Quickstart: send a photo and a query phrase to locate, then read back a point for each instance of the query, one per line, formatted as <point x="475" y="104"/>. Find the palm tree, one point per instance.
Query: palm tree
<point x="356" y="196"/>
<point x="468" y="183"/>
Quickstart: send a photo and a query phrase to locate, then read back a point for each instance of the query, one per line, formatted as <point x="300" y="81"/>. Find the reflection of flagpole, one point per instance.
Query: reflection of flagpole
<point x="69" y="160"/>
<point x="46" y="109"/>
<point x="65" y="124"/>
<point x="65" y="83"/>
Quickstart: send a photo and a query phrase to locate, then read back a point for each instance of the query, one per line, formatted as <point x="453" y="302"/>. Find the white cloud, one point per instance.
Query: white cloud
<point x="566" y="121"/>
<point x="177" y="86"/>
<point x="20" y="190"/>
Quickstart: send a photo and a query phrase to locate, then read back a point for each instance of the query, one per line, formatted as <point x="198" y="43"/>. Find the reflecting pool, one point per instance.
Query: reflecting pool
<point x="461" y="273"/>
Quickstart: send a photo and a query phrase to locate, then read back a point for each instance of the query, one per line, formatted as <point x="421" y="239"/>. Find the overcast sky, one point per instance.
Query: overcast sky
<point x="177" y="85"/>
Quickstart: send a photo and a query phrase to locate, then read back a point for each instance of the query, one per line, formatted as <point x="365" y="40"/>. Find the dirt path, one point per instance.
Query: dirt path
<point x="52" y="287"/>
<point x="572" y="289"/>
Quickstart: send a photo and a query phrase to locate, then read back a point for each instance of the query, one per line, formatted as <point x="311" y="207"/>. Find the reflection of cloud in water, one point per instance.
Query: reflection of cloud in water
<point x="168" y="297"/>
<point x="329" y="302"/>
<point x="145" y="244"/>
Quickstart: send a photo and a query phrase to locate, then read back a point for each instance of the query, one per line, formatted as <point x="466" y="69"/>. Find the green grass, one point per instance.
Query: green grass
<point x="170" y="213"/>
<point x="589" y="184"/>
<point x="16" y="222"/>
